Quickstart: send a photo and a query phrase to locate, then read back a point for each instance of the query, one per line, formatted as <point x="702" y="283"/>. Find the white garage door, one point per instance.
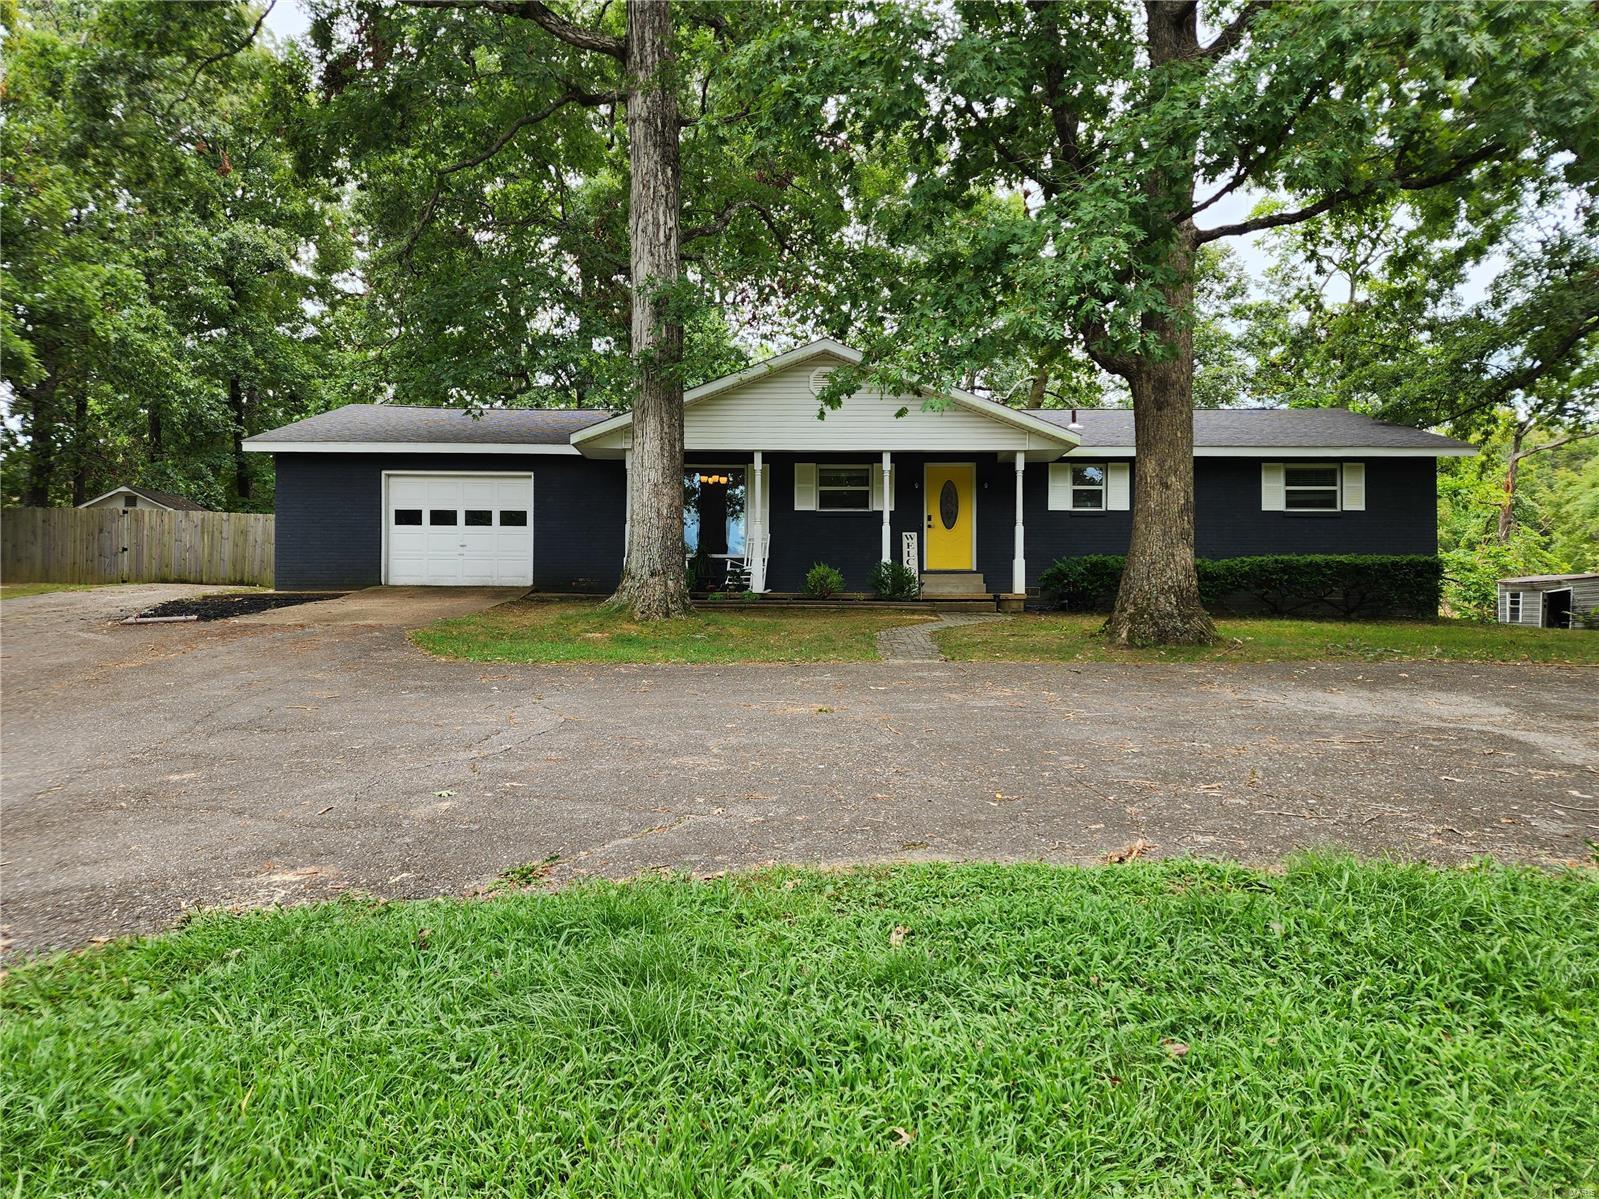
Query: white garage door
<point x="459" y="530"/>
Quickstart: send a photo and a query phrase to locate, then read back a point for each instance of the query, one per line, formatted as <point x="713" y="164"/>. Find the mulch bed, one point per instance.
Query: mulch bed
<point x="220" y="607"/>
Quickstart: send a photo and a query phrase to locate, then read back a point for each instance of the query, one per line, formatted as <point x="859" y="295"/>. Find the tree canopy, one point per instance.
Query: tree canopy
<point x="169" y="272"/>
<point x="207" y="233"/>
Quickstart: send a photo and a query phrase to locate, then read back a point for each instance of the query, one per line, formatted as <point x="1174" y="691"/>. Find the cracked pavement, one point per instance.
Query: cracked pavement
<point x="148" y="770"/>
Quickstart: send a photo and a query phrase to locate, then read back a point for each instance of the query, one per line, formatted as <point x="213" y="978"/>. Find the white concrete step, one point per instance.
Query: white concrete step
<point x="953" y="583"/>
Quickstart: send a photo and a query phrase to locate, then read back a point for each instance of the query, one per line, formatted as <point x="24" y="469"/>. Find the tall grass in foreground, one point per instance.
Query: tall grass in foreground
<point x="1174" y="1029"/>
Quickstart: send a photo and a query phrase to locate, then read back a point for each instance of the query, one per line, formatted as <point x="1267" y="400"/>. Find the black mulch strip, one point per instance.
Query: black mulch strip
<point x="220" y="607"/>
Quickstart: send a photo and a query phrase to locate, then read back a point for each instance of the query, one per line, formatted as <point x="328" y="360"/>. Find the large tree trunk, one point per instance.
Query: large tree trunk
<point x="41" y="430"/>
<point x="1507" y="507"/>
<point x="1158" y="603"/>
<point x="653" y="583"/>
<point x="80" y="447"/>
<point x="241" y="462"/>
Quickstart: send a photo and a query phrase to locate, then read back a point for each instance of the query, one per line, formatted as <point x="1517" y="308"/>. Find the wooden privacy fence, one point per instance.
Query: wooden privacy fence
<point x="119" y="545"/>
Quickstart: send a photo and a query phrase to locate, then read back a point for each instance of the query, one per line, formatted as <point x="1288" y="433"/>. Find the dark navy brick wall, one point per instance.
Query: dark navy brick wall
<point x="329" y="516"/>
<point x="1401" y="515"/>
<point x="1400" y="518"/>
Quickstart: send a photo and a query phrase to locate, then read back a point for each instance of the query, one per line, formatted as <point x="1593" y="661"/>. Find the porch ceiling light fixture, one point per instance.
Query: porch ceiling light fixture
<point x="724" y="479"/>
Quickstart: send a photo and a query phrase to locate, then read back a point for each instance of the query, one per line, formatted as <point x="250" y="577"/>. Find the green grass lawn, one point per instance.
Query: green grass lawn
<point x="1177" y="1029"/>
<point x="1074" y="637"/>
<point x="583" y="632"/>
<point x="19" y="590"/>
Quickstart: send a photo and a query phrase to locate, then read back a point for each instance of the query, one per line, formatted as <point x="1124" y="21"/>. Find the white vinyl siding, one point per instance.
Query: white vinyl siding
<point x="781" y="411"/>
<point x="1090" y="486"/>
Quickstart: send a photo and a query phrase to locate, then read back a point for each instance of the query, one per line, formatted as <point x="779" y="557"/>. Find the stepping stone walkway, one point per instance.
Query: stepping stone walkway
<point x="914" y="642"/>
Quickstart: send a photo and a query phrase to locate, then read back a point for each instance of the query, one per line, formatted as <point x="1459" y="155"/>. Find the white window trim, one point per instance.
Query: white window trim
<point x="1336" y="486"/>
<point x="1073" y="487"/>
<point x="1514" y="603"/>
<point x="821" y="487"/>
<point x="1115" y="489"/>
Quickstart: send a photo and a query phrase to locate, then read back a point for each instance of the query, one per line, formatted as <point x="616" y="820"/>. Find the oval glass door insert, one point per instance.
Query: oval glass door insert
<point x="949" y="503"/>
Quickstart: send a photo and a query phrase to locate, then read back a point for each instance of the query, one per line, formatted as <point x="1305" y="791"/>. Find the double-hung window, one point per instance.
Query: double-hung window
<point x="1310" y="487"/>
<point x="1091" y="487"/>
<point x="843" y="488"/>
<point x="1513" y="607"/>
<point x="1088" y="487"/>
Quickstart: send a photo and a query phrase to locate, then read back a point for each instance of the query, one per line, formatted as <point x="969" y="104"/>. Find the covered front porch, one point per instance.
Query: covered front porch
<point x="757" y="522"/>
<point x="776" y="482"/>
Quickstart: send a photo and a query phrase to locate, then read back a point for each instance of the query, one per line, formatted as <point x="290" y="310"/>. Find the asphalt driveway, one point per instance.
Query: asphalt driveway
<point x="150" y="769"/>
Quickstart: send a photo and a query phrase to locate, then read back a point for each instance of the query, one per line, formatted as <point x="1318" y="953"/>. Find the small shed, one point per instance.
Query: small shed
<point x="144" y="499"/>
<point x="1548" y="601"/>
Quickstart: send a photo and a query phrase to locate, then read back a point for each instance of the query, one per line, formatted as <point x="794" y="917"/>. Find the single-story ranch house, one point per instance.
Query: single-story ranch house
<point x="977" y="497"/>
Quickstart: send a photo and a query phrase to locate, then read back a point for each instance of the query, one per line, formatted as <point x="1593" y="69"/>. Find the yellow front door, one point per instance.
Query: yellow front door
<point x="950" y="490"/>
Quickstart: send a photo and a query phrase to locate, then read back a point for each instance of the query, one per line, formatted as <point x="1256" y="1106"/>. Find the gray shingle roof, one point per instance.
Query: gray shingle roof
<point x="178" y="503"/>
<point x="1333" y="428"/>
<point x="401" y="424"/>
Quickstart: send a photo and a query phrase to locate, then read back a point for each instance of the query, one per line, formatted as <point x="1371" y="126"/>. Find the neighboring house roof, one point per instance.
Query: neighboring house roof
<point x="1247" y="432"/>
<point x="440" y="430"/>
<point x="1577" y="578"/>
<point x="177" y="503"/>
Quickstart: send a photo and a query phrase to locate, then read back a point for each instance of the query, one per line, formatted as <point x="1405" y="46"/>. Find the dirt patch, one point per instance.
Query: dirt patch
<point x="221" y="607"/>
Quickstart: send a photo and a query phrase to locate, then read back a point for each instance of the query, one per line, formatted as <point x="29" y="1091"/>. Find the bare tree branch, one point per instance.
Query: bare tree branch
<point x="1028" y="170"/>
<point x="1556" y="444"/>
<point x="1228" y="39"/>
<point x="1274" y="220"/>
<point x="211" y="61"/>
<point x="725" y="218"/>
<point x="544" y="17"/>
<point x="571" y="96"/>
<point x="1269" y="147"/>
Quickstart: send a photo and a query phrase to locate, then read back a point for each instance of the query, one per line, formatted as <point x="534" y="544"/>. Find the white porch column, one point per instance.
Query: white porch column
<point x="627" y="499"/>
<point x="888" y="504"/>
<point x="1018" y="565"/>
<point x="756" y="525"/>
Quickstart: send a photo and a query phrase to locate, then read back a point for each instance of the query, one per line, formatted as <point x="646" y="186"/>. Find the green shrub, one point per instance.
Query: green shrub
<point x="1086" y="584"/>
<point x="823" y="581"/>
<point x="1282" y="584"/>
<point x="893" y="581"/>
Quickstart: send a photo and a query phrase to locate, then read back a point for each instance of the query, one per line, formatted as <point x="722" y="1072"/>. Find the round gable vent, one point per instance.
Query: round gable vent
<point x="819" y="379"/>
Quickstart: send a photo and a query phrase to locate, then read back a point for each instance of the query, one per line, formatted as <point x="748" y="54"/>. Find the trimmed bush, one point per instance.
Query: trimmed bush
<point x="1281" y="584"/>
<point x="1086" y="584"/>
<point x="893" y="581"/>
<point x="823" y="581"/>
